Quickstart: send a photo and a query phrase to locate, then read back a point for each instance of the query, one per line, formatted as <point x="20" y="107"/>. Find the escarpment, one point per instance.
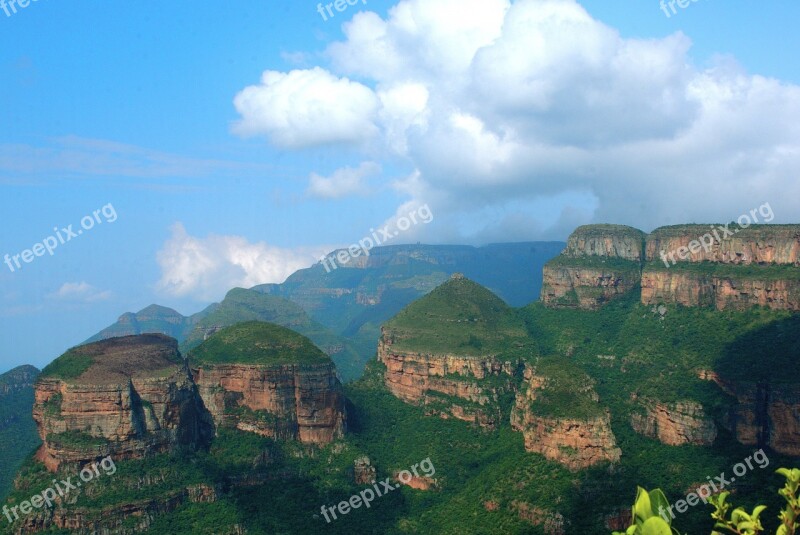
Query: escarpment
<point x="600" y="262"/>
<point x="455" y="351"/>
<point x="576" y="434"/>
<point x="265" y="379"/>
<point x="715" y="266"/>
<point x="674" y="424"/>
<point x="125" y="397"/>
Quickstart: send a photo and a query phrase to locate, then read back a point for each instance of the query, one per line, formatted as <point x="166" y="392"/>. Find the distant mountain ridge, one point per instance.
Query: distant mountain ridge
<point x="342" y="310"/>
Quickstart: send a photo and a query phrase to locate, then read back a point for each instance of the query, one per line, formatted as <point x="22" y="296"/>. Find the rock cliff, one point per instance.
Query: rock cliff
<point x="692" y="265"/>
<point x="266" y="379"/>
<point x="456" y="351"/>
<point x="764" y="414"/>
<point x="599" y="263"/>
<point x="759" y="244"/>
<point x="576" y="435"/>
<point x="610" y="241"/>
<point x="674" y="424"/>
<point x="723" y="287"/>
<point x="125" y="397"/>
<point x="449" y="385"/>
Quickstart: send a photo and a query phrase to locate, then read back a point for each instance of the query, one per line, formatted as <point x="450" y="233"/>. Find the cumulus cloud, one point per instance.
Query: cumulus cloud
<point x="304" y="108"/>
<point x="206" y="268"/>
<point x="343" y="182"/>
<point x="498" y="105"/>
<point x="81" y="292"/>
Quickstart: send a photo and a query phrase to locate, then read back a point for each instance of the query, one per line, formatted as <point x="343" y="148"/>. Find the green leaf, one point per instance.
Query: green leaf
<point x="643" y="508"/>
<point x="656" y="526"/>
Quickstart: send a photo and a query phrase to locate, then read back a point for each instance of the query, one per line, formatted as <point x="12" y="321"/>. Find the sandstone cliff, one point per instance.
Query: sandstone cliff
<point x="575" y="284"/>
<point x="449" y="385"/>
<point x="288" y="402"/>
<point x="674" y="424"/>
<point x="752" y="266"/>
<point x="576" y="435"/>
<point x="125" y="397"/>
<point x="268" y="380"/>
<point x="760" y="244"/>
<point x="722" y="288"/>
<point x="600" y="262"/>
<point x="611" y="241"/>
<point x="764" y="414"/>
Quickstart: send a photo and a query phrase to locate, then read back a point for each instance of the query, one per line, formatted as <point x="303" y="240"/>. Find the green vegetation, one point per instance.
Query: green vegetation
<point x="459" y="317"/>
<point x="18" y="435"/>
<point x="486" y="483"/>
<point x="240" y="306"/>
<point x="615" y="265"/>
<point x="567" y="393"/>
<point x="650" y="512"/>
<point x="76" y="440"/>
<point x="257" y="343"/>
<point x="70" y="365"/>
<point x="765" y="272"/>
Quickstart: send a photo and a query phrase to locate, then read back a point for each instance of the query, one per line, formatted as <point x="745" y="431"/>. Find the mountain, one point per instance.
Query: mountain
<point x="693" y="265"/>
<point x="17" y="429"/>
<point x="153" y="319"/>
<point x="342" y="310"/>
<point x="239" y="305"/>
<point x="266" y="379"/>
<point x="357" y="297"/>
<point x="476" y="417"/>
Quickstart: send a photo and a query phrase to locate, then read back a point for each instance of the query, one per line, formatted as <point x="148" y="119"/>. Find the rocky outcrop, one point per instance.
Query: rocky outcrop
<point x="723" y="292"/>
<point x="675" y="424"/>
<point x="761" y="244"/>
<point x="18" y="379"/>
<point x="751" y="267"/>
<point x="552" y="523"/>
<point x="587" y="288"/>
<point x="575" y="442"/>
<point x="610" y="241"/>
<point x="600" y="262"/>
<point x="128" y="518"/>
<point x="134" y="396"/>
<point x="363" y="471"/>
<point x="764" y="414"/>
<point x="288" y="402"/>
<point x="449" y="385"/>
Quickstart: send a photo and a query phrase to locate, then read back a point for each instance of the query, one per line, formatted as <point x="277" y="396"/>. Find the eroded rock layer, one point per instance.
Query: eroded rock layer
<point x="290" y="402"/>
<point x="675" y="424"/>
<point x="133" y="396"/>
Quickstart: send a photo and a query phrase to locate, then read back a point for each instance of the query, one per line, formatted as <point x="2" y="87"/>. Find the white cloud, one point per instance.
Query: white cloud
<point x="206" y="268"/>
<point x="305" y="108"/>
<point x="497" y="104"/>
<point x="343" y="182"/>
<point x="80" y="292"/>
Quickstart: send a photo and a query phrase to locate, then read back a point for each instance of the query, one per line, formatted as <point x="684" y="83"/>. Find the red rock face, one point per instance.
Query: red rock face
<point x="133" y="419"/>
<point x="614" y="241"/>
<point x="552" y="523"/>
<point x="675" y="424"/>
<point x="304" y="403"/>
<point x="573" y="442"/>
<point x="722" y="293"/>
<point x="441" y="381"/>
<point x="584" y="288"/>
<point x="764" y="245"/>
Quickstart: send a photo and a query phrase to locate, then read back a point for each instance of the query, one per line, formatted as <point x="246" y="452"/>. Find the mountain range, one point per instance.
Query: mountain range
<point x="537" y="416"/>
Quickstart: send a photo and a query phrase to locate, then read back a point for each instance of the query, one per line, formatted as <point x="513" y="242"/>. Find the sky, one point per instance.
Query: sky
<point x="167" y="152"/>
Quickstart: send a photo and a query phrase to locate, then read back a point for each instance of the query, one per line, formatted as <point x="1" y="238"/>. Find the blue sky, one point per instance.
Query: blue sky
<point x="608" y="114"/>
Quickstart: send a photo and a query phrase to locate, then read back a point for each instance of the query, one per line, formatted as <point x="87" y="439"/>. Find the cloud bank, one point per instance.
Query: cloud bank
<point x="503" y="108"/>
